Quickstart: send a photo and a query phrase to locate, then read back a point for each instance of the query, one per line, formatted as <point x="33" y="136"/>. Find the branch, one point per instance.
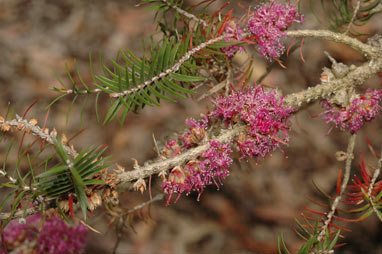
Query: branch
<point x="365" y="49"/>
<point x="349" y="158"/>
<point x="162" y="165"/>
<point x="167" y="72"/>
<point x="186" y="14"/>
<point x="355" y="12"/>
<point x="371" y="186"/>
<point x="23" y="124"/>
<point x="354" y="78"/>
<point x="20" y="213"/>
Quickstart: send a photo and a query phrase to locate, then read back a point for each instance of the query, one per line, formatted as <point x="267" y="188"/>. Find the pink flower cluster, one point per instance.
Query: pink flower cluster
<point x="55" y="236"/>
<point x="211" y="167"/>
<point x="196" y="132"/>
<point x="266" y="121"/>
<point x="233" y="33"/>
<point x="363" y="108"/>
<point x="264" y="115"/>
<point x="268" y="24"/>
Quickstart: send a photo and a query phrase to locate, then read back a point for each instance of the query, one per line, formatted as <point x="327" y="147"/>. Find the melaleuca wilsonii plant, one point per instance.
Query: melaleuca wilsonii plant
<point x="245" y="121"/>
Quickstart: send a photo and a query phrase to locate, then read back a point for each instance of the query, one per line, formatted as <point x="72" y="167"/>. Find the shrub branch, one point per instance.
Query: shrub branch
<point x="365" y="49"/>
<point x="349" y="159"/>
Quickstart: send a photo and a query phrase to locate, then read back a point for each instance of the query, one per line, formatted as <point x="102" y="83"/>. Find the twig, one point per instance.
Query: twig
<point x="371" y="186"/>
<point x="354" y="16"/>
<point x="366" y="50"/>
<point x="119" y="229"/>
<point x="20" y="213"/>
<point x="140" y="206"/>
<point x="23" y="124"/>
<point x="120" y="222"/>
<point x="349" y="158"/>
<point x="186" y="14"/>
<point x="354" y="78"/>
<point x="170" y="70"/>
<point x="161" y="165"/>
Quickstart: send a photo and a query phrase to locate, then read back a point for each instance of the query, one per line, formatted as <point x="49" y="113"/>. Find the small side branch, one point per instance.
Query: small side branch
<point x="23" y="124"/>
<point x="349" y="159"/>
<point x="186" y="14"/>
<point x="162" y="165"/>
<point x="354" y="78"/>
<point x="371" y="186"/>
<point x="365" y="49"/>
<point x="140" y="206"/>
<point x="20" y="213"/>
<point x="353" y="17"/>
<point x="167" y="72"/>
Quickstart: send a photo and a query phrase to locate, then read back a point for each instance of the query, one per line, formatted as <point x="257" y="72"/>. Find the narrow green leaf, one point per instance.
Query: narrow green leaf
<point x="185" y="78"/>
<point x="96" y="107"/>
<point x="142" y="99"/>
<point x="333" y="243"/>
<point x="113" y="110"/>
<point x="70" y="109"/>
<point x="153" y="64"/>
<point x="174" y="53"/>
<point x="5" y="199"/>
<point x="10" y="185"/>
<point x="176" y="87"/>
<point x="144" y="92"/>
<point x="223" y="44"/>
<point x="79" y="76"/>
<point x="94" y="181"/>
<point x="167" y="53"/>
<point x="366" y="214"/>
<point x="53" y="172"/>
<point x="159" y="95"/>
<point x="59" y="80"/>
<point x="168" y="90"/>
<point x="55" y="100"/>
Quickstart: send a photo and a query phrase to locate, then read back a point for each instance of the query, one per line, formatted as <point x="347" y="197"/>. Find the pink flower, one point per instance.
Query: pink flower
<point x="55" y="236"/>
<point x="263" y="113"/>
<point x="196" y="132"/>
<point x="266" y="121"/>
<point x="361" y="109"/>
<point x="233" y="33"/>
<point x="268" y="24"/>
<point x="210" y="168"/>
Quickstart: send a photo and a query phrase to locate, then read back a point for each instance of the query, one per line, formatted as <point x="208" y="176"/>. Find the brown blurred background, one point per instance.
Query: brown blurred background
<point x="258" y="201"/>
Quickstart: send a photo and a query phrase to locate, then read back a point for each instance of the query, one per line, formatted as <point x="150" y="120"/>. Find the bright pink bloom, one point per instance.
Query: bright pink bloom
<point x="263" y="113"/>
<point x="55" y="236"/>
<point x="233" y="33"/>
<point x="211" y="167"/>
<point x="362" y="109"/>
<point x="268" y="24"/>
<point x="266" y="121"/>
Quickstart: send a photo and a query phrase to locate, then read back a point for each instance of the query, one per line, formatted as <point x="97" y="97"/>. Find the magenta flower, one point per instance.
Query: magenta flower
<point x="211" y="167"/>
<point x="233" y="33"/>
<point x="263" y="113"/>
<point x="266" y="121"/>
<point x="362" y="109"/>
<point x="55" y="236"/>
<point x="268" y="24"/>
<point x="196" y="132"/>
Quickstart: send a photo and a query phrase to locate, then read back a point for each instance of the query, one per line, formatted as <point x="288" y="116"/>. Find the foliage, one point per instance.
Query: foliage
<point x="247" y="121"/>
<point x="341" y="12"/>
